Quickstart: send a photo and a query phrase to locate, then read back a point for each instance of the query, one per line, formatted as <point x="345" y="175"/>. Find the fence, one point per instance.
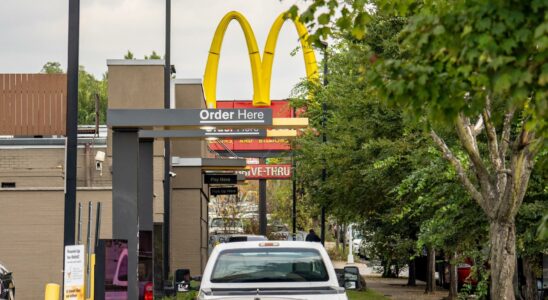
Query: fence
<point x="32" y="104"/>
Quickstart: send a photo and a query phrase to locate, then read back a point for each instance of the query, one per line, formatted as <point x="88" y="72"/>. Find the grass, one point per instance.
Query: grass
<point x="365" y="295"/>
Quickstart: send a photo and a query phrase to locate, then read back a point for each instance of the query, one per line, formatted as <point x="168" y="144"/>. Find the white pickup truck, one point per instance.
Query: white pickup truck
<point x="270" y="270"/>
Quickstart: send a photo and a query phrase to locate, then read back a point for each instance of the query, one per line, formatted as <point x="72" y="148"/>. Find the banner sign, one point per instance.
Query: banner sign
<point x="224" y="191"/>
<point x="229" y="116"/>
<point x="252" y="117"/>
<point x="245" y="132"/>
<point x="74" y="272"/>
<point x="280" y="109"/>
<point x="268" y="172"/>
<point x="220" y="179"/>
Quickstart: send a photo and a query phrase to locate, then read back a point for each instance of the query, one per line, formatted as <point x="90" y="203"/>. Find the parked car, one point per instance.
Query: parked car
<point x="246" y="238"/>
<point x="226" y="226"/>
<point x="7" y="287"/>
<point x="270" y="270"/>
<point x="278" y="232"/>
<point x="364" y="251"/>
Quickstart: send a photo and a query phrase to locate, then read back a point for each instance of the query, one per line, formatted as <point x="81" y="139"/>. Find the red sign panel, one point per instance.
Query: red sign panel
<point x="268" y="172"/>
<point x="280" y="109"/>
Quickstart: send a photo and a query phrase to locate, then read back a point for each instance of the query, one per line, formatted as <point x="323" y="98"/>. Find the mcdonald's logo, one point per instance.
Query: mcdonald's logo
<point x="261" y="69"/>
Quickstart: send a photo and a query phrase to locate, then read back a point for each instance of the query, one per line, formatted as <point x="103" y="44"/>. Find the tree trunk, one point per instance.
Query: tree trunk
<point x="412" y="280"/>
<point x="453" y="277"/>
<point x="343" y="234"/>
<point x="530" y="288"/>
<point x="502" y="259"/>
<point x="337" y="236"/>
<point x="431" y="271"/>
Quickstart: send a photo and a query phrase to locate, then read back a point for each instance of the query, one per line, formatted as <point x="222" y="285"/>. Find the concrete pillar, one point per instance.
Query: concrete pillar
<point x="125" y="183"/>
<point x="189" y="227"/>
<point x="137" y="197"/>
<point x="139" y="84"/>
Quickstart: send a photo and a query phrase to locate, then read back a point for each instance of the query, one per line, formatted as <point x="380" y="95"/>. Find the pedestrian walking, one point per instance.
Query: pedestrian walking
<point x="312" y="237"/>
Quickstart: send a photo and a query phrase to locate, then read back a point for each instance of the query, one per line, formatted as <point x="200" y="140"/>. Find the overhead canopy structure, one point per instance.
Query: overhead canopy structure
<point x="195" y="118"/>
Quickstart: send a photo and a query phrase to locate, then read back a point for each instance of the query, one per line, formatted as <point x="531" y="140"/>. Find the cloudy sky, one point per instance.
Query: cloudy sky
<point x="33" y="32"/>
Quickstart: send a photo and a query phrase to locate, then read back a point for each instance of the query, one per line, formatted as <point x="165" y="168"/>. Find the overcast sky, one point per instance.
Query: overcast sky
<point x="33" y="32"/>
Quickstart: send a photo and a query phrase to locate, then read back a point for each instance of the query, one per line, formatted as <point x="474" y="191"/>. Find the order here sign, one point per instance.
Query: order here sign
<point x="268" y="172"/>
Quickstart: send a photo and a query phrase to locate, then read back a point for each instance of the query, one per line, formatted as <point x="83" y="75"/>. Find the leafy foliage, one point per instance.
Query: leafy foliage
<point x="90" y="89"/>
<point x="52" y="67"/>
<point x="408" y="75"/>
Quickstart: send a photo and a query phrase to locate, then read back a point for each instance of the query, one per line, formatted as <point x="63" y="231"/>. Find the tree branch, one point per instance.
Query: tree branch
<point x="505" y="137"/>
<point x="470" y="145"/>
<point x="479" y="126"/>
<point x="461" y="173"/>
<point x="492" y="140"/>
<point x="468" y="141"/>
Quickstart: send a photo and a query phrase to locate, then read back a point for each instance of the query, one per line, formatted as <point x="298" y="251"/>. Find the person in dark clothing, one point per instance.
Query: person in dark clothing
<point x="312" y="237"/>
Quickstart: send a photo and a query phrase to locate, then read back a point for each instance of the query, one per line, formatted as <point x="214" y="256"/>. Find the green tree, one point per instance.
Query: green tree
<point x="368" y="153"/>
<point x="479" y="66"/>
<point x="153" y="55"/>
<point x="52" y="67"/>
<point x="90" y="89"/>
<point x="129" y="55"/>
<point x="90" y="92"/>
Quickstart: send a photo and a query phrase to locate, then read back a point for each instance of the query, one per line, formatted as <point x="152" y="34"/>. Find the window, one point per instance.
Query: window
<point x="269" y="265"/>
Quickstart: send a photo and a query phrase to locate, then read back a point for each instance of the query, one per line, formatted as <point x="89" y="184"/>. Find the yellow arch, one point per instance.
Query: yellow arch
<point x="261" y="70"/>
<point x="212" y="65"/>
<point x="268" y="55"/>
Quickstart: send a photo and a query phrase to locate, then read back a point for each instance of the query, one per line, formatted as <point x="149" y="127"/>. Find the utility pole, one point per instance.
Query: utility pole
<point x="294" y="209"/>
<point x="263" y="220"/>
<point x="294" y="188"/>
<point x="167" y="143"/>
<point x="71" y="124"/>
<point x="324" y="138"/>
<point x="72" y="121"/>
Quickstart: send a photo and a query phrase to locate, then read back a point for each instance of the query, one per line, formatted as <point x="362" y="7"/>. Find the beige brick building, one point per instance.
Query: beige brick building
<point x="32" y="191"/>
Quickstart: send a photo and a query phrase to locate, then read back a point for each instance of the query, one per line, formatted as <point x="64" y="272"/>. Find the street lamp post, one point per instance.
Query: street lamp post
<point x="324" y="137"/>
<point x="167" y="143"/>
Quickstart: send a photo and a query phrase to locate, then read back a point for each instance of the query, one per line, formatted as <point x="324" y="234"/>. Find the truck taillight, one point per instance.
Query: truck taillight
<point x="268" y="244"/>
<point x="149" y="288"/>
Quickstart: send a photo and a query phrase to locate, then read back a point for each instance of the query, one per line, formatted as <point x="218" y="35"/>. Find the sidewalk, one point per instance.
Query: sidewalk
<point x="393" y="288"/>
<point x="396" y="288"/>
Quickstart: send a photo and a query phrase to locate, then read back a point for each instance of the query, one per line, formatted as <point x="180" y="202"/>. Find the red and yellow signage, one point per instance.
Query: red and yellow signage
<point x="280" y="109"/>
<point x="268" y="172"/>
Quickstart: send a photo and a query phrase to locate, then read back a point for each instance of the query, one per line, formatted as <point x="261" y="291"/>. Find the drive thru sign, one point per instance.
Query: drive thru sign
<point x="268" y="172"/>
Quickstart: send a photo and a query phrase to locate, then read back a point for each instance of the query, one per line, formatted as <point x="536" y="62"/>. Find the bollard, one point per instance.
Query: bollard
<point x="52" y="291"/>
<point x="91" y="286"/>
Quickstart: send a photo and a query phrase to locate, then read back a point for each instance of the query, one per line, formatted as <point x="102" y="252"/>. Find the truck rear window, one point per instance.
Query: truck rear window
<point x="269" y="265"/>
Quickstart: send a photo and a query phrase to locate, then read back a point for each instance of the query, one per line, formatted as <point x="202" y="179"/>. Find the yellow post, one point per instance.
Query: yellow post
<point x="91" y="286"/>
<point x="53" y="291"/>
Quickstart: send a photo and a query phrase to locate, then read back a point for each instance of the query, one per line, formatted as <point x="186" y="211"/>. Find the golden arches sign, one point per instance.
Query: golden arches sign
<point x="261" y="70"/>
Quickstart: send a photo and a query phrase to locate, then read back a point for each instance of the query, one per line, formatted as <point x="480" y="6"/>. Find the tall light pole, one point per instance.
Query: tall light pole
<point x="324" y="137"/>
<point x="294" y="186"/>
<point x="71" y="122"/>
<point x="167" y="143"/>
<point x="69" y="222"/>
